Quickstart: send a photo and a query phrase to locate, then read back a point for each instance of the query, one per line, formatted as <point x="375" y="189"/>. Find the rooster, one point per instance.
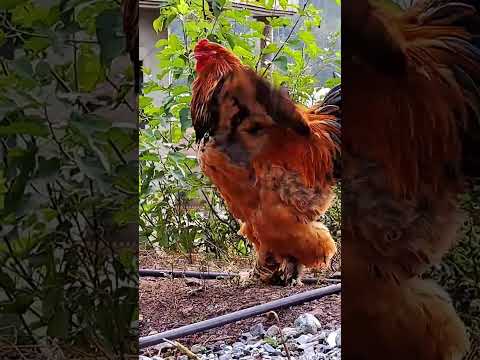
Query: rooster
<point x="412" y="77"/>
<point x="271" y="160"/>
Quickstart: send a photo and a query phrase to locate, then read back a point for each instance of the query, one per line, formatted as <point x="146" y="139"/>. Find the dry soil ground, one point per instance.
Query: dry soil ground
<point x="169" y="303"/>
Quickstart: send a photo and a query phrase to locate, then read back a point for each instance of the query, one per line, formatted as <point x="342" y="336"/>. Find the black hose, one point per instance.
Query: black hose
<point x="191" y="274"/>
<point x="235" y="316"/>
<point x="211" y="275"/>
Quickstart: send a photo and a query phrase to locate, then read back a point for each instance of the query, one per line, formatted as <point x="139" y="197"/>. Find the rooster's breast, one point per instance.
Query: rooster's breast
<point x="234" y="179"/>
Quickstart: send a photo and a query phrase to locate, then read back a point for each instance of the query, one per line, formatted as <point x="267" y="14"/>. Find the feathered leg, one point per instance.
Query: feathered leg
<point x="327" y="243"/>
<point x="265" y="270"/>
<point x="266" y="266"/>
<point x="290" y="272"/>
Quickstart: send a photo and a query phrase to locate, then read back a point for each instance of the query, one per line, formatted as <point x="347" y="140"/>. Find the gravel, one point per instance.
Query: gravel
<point x="305" y="340"/>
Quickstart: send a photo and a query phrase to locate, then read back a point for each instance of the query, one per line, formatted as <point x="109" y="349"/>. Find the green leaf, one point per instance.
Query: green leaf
<point x="185" y="120"/>
<point x="90" y="169"/>
<point x="89" y="69"/>
<point x="270" y="48"/>
<point x="149" y="157"/>
<point x="280" y="22"/>
<point x="240" y="16"/>
<point x="88" y="11"/>
<point x="34" y="127"/>
<point x="174" y="43"/>
<point x="53" y="296"/>
<point x="307" y="37"/>
<point x="242" y="52"/>
<point x="180" y="89"/>
<point x="217" y="6"/>
<point x="144" y="101"/>
<point x="231" y="40"/>
<point x="59" y="324"/>
<point x="332" y="82"/>
<point x="23" y="67"/>
<point x="48" y="167"/>
<point x="281" y="62"/>
<point x="36" y="44"/>
<point x="158" y="25"/>
<point x="6" y="281"/>
<point x="110" y="35"/>
<point x="43" y="69"/>
<point x="182" y="7"/>
<point x="20" y="305"/>
<point x="100" y="154"/>
<point x="6" y="106"/>
<point x="3" y="191"/>
<point x="89" y="124"/>
<point x="258" y="26"/>
<point x="49" y="214"/>
<point x="2" y="38"/>
<point x="24" y="160"/>
<point x="161" y="43"/>
<point x="10" y="4"/>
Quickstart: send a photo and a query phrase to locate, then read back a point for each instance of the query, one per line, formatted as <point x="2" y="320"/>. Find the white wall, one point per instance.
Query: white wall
<point x="148" y="37"/>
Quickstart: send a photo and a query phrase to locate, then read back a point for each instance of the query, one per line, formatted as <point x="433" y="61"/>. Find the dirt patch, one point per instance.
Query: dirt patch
<point x="170" y="303"/>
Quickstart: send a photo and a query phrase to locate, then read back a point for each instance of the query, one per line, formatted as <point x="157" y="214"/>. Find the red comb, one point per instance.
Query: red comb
<point x="202" y="42"/>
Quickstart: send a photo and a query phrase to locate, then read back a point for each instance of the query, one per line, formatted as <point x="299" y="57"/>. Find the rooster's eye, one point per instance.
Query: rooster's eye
<point x="254" y="129"/>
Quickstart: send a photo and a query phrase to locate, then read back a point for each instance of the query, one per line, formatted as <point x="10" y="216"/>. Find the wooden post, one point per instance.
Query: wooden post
<point x="268" y="39"/>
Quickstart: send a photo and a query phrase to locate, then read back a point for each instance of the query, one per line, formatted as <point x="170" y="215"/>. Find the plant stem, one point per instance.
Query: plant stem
<point x="286" y="40"/>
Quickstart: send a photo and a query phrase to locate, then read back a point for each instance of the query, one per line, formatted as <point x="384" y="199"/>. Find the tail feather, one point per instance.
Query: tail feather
<point x="445" y="13"/>
<point x="333" y="128"/>
<point x="334" y="96"/>
<point x="325" y="118"/>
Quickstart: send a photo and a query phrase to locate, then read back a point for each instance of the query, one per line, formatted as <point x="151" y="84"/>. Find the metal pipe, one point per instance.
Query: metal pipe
<point x="212" y="275"/>
<point x="235" y="316"/>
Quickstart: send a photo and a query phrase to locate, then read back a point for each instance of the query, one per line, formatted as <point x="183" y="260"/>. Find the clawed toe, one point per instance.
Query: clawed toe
<point x="296" y="282"/>
<point x="247" y="278"/>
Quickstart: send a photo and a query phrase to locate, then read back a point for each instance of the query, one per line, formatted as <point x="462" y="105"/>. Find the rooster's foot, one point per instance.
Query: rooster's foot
<point x="291" y="272"/>
<point x="248" y="278"/>
<point x="296" y="282"/>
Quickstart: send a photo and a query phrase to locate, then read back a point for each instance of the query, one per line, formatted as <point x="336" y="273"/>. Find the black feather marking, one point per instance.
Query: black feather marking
<point x="242" y="114"/>
<point x="278" y="105"/>
<point x="334" y="96"/>
<point x="331" y="105"/>
<point x="211" y="115"/>
<point x="337" y="161"/>
<point x="333" y="123"/>
<point x="470" y="87"/>
<point x="327" y="109"/>
<point x="446" y="14"/>
<point x="243" y="111"/>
